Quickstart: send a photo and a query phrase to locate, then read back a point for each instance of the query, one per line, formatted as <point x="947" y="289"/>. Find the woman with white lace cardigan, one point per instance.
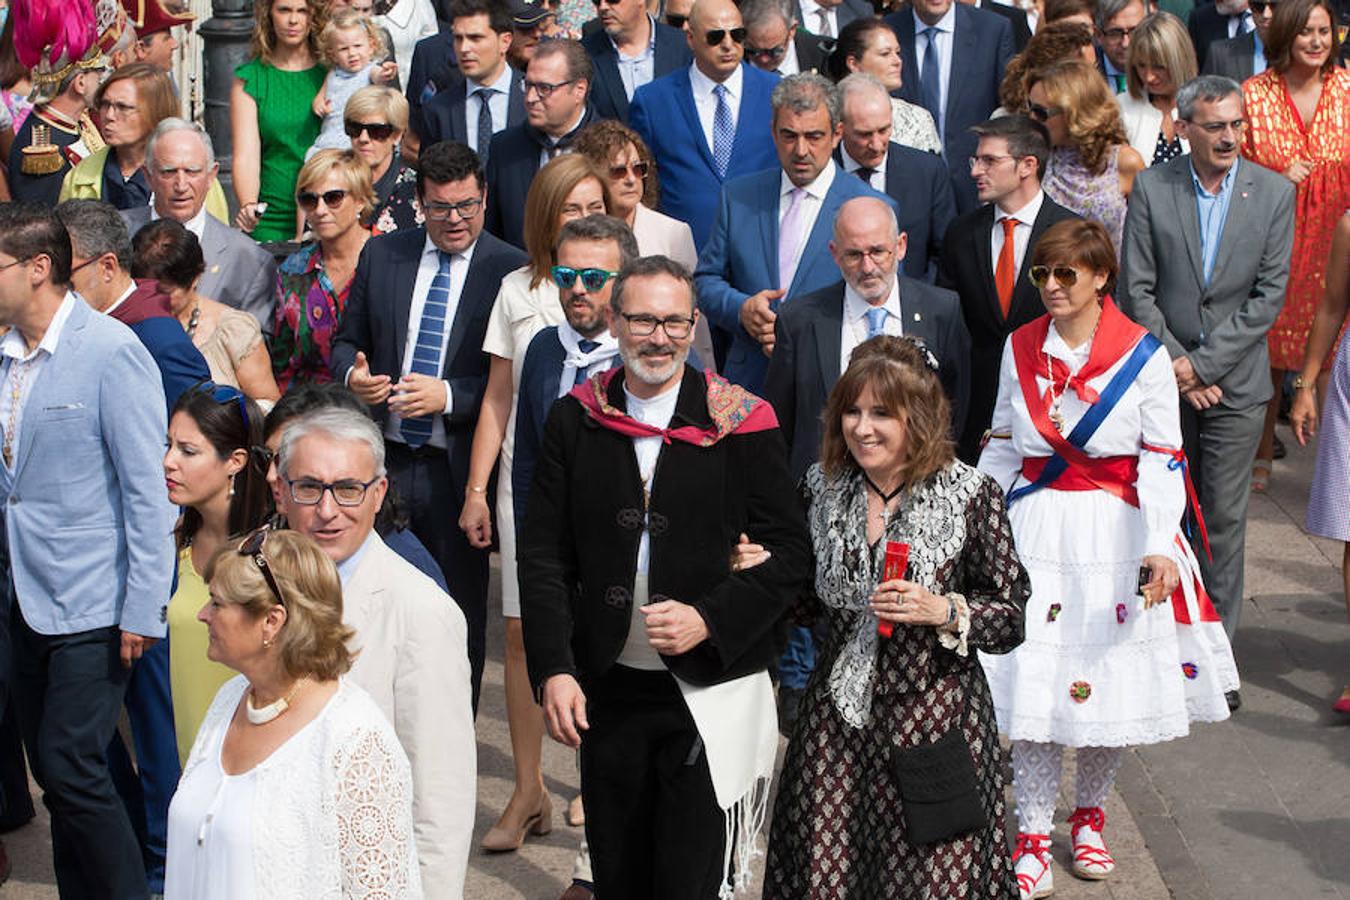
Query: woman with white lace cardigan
<point x="296" y="785"/>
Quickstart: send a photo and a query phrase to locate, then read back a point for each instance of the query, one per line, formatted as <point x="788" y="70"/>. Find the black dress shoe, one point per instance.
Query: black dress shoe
<point x="789" y="701"/>
<point x="1279" y="452"/>
<point x="1234" y="700"/>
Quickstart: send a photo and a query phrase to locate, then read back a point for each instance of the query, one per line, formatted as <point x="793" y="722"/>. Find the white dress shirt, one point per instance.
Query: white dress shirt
<point x="811" y="11"/>
<point x="789" y="64"/>
<point x="635" y="71"/>
<point x="946" y="27"/>
<point x="500" y="103"/>
<point x="878" y="179"/>
<point x="427" y="267"/>
<point x="853" y="330"/>
<point x="706" y="102"/>
<point x="19" y="360"/>
<point x="810" y="211"/>
<point x="196" y="224"/>
<point x="1026" y="218"/>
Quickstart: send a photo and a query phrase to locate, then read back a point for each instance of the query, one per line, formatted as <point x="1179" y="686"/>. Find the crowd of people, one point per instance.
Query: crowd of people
<point x="887" y="378"/>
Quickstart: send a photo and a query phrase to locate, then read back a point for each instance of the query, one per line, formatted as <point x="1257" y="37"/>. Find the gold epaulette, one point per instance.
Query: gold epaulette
<point x="90" y="135"/>
<point x="41" y="156"/>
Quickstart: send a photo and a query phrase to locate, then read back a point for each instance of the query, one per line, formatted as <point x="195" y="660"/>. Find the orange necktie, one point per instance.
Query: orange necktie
<point x="1005" y="273"/>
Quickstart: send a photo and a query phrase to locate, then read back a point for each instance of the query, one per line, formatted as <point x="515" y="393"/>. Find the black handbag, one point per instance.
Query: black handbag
<point x="939" y="792"/>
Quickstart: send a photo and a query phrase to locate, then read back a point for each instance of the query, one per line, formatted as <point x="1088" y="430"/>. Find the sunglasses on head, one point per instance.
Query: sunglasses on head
<point x="378" y="131"/>
<point x="591" y="279"/>
<point x="252" y="547"/>
<point x="309" y="201"/>
<point x="1065" y="276"/>
<point x="718" y="35"/>
<point x="639" y="170"/>
<point x="223" y="393"/>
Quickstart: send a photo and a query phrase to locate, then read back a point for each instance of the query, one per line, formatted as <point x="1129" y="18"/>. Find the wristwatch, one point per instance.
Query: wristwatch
<point x="1300" y="383"/>
<point x="951" y="612"/>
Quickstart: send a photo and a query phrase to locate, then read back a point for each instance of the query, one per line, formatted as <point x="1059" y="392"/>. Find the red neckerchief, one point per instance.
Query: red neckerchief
<point x="732" y="408"/>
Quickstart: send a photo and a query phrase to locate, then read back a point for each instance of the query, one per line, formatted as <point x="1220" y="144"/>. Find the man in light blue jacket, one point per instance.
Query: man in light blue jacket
<point x="87" y="525"/>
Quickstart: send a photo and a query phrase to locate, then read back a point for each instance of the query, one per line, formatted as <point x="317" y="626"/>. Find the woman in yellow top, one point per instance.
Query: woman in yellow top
<point x="216" y="469"/>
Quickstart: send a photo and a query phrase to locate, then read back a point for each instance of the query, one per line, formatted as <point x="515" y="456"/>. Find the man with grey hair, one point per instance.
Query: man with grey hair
<point x="1115" y="22"/>
<point x="632" y="600"/>
<point x="411" y="638"/>
<point x="1204" y="265"/>
<point x="180" y="164"/>
<point x="775" y="43"/>
<point x="770" y="239"/>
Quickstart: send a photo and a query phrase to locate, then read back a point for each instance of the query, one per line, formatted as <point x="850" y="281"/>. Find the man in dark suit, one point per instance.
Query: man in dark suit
<point x="1017" y="20"/>
<point x="1241" y="57"/>
<point x="987" y="270"/>
<point x="485" y="96"/>
<point x="775" y="43"/>
<point x="816" y="333"/>
<point x="433" y="63"/>
<point x="915" y="180"/>
<point x="410" y="346"/>
<point x="771" y="239"/>
<point x="1115" y="22"/>
<point x="1209" y="23"/>
<point x="954" y="57"/>
<point x="706" y="123"/>
<point x="629" y="50"/>
<point x="557" y="83"/>
<point x="826" y="18"/>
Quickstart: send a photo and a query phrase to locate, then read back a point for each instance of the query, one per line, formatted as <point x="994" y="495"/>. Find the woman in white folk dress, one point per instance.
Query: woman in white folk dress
<point x="1086" y="439"/>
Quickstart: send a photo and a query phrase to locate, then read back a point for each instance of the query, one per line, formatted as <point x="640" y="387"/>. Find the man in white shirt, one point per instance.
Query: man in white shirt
<point x="826" y="17"/>
<point x="410" y="637"/>
<point x="630" y="49"/>
<point x="181" y="167"/>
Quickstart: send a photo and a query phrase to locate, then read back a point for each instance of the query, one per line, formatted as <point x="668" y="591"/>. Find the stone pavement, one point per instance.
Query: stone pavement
<point x="1256" y="807"/>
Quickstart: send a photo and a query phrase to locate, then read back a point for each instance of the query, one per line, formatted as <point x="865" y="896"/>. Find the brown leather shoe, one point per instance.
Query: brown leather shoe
<point x="504" y="838"/>
<point x="577" y="892"/>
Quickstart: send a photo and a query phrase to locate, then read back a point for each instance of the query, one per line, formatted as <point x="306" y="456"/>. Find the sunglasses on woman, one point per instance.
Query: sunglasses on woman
<point x="1065" y="276"/>
<point x="591" y="279"/>
<point x="309" y="201"/>
<point x="1042" y="114"/>
<point x="378" y="131"/>
<point x="718" y="35"/>
<point x="223" y="393"/>
<point x="252" y="547"/>
<point x="639" y="170"/>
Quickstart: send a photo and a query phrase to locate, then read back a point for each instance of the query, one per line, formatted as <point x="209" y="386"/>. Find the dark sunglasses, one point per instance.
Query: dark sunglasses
<point x="770" y="54"/>
<point x="1259" y="6"/>
<point x="378" y="131"/>
<point x="718" y="35"/>
<point x="639" y="170"/>
<point x="223" y="393"/>
<point x="252" y="547"/>
<point x="591" y="279"/>
<point x="309" y="201"/>
<point x="1065" y="276"/>
<point x="1042" y="113"/>
<point x="675" y="20"/>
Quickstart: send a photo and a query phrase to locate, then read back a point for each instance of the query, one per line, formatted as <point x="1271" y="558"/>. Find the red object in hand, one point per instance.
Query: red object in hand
<point x="897" y="561"/>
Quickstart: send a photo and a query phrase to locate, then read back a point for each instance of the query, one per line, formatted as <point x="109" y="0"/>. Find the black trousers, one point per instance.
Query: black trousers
<point x="422" y="479"/>
<point x="68" y="690"/>
<point x="652" y="820"/>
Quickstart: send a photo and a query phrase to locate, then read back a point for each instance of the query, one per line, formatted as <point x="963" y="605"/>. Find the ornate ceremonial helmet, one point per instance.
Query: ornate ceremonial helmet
<point x="153" y="16"/>
<point x="59" y="39"/>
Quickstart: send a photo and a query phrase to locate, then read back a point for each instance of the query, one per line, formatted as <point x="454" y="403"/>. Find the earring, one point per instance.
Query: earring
<point x="266" y="643"/>
<point x="231" y="494"/>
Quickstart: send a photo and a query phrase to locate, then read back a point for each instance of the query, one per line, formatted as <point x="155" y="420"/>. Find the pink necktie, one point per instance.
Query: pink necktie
<point x="790" y="238"/>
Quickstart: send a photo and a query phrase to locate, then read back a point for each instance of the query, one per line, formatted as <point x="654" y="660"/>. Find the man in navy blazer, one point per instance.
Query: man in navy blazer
<point x="629" y="49"/>
<point x="391" y="338"/>
<point x="557" y="83"/>
<point x="1209" y="23"/>
<point x="433" y="62"/>
<point x="770" y="241"/>
<point x="481" y="31"/>
<point x="973" y="48"/>
<point x="677" y="118"/>
<point x="915" y="180"/>
<point x="88" y="530"/>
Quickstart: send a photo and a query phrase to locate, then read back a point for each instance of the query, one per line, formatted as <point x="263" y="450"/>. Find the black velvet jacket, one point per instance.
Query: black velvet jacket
<point x="577" y="552"/>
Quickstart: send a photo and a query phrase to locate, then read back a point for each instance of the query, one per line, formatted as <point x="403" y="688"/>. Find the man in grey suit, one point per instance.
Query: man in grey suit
<point x="180" y="164"/>
<point x="1204" y="266"/>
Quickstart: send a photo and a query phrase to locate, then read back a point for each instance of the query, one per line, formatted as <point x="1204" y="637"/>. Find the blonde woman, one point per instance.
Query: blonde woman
<point x="1161" y="61"/>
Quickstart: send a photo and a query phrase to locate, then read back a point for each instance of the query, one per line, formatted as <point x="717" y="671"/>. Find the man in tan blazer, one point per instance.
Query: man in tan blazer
<point x="410" y="636"/>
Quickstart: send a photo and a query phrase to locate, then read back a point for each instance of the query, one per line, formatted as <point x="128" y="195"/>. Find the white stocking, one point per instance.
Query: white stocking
<point x="1036" y="770"/>
<point x="1097" y="767"/>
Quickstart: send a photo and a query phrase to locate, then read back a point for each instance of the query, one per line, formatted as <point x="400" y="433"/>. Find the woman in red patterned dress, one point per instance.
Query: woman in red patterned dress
<point x="1298" y="115"/>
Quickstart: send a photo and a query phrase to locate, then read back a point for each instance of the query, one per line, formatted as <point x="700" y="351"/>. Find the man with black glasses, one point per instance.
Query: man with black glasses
<point x="775" y="43"/>
<point x="410" y="638"/>
<point x="410" y="346"/>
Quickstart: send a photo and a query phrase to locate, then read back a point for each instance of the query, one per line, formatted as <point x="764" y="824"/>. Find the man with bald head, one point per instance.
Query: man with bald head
<point x="708" y="122"/>
<point x="816" y="333"/>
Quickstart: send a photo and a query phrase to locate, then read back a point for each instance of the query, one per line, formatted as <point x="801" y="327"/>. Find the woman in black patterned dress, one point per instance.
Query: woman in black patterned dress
<point x="888" y="474"/>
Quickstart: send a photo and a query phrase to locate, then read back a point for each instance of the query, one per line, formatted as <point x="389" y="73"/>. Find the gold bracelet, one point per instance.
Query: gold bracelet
<point x="478" y="490"/>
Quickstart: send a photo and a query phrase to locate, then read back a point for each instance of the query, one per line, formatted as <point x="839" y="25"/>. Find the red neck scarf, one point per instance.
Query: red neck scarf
<point x="732" y="409"/>
<point x="1115" y="335"/>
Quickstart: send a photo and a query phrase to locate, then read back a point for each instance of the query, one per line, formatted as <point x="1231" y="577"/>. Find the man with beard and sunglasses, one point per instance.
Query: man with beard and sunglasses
<point x="1211" y="304"/>
<point x="646" y="649"/>
<point x="709" y="122"/>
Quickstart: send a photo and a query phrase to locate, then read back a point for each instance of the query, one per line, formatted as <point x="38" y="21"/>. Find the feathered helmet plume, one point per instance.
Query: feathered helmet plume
<point x="57" y="39"/>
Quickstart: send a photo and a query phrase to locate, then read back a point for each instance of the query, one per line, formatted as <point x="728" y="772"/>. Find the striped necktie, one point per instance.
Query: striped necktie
<point x="427" y="350"/>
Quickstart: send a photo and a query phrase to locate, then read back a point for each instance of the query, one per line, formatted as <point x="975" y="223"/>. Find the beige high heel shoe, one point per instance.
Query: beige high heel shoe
<point x="504" y="838"/>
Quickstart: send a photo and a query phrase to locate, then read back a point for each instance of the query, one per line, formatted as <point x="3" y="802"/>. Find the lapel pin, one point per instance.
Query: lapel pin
<point x="215" y="268"/>
<point x="1244" y="195"/>
<point x="918" y="318"/>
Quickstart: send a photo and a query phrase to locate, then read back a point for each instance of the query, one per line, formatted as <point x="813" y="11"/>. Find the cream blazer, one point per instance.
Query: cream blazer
<point x="413" y="661"/>
<point x="1143" y="121"/>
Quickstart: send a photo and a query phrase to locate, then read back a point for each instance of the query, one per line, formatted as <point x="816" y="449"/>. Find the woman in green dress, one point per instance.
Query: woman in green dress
<point x="215" y="468"/>
<point x="271" y="122"/>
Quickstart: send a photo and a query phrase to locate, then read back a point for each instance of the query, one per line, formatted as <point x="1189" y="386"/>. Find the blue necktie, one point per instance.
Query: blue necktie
<point x="585" y="347"/>
<point x="724" y="133"/>
<point x="485" y="129"/>
<point x="930" y="77"/>
<point x="876" y="321"/>
<point x="427" y="350"/>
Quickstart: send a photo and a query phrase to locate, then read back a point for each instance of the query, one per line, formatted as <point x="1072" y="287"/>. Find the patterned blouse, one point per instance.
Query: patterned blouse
<point x="396" y="200"/>
<point x="912" y="126"/>
<point x="308" y="309"/>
